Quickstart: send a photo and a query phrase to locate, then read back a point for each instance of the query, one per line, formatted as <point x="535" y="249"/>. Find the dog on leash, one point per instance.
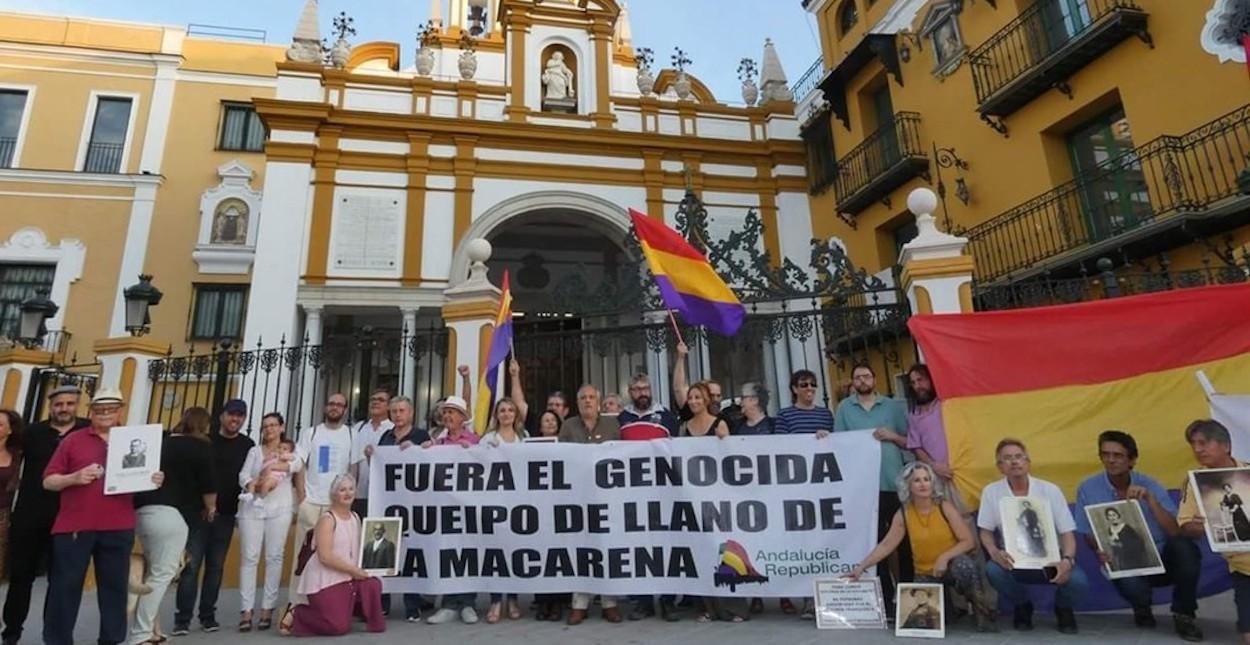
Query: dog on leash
<point x="136" y="587"/>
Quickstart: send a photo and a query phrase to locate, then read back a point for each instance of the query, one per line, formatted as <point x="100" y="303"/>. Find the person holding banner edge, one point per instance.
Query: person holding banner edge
<point x="404" y="435"/>
<point x="1181" y="557"/>
<point x="505" y="429"/>
<point x="456" y="432"/>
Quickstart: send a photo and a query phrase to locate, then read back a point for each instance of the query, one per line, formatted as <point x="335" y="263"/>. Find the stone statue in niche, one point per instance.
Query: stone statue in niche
<point x="557" y="78"/>
<point x="230" y="223"/>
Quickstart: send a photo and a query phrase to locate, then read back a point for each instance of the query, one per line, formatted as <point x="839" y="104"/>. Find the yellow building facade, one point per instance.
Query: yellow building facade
<point x="1058" y="132"/>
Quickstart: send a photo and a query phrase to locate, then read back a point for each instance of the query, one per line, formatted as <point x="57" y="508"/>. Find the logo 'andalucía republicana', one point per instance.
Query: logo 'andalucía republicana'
<point x="735" y="567"/>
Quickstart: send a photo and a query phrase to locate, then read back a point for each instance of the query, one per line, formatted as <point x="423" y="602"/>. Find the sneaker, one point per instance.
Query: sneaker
<point x="209" y="625"/>
<point x="808" y="612"/>
<point x="1067" y="621"/>
<point x="468" y="615"/>
<point x="181" y="629"/>
<point x="1022" y="617"/>
<point x="1187" y="628"/>
<point x="640" y="611"/>
<point x="1144" y="618"/>
<point x="413" y="618"/>
<point x="441" y="616"/>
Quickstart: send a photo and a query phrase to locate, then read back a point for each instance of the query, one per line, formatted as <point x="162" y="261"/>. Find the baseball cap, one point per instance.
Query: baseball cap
<point x="235" y="406"/>
<point x="64" y="389"/>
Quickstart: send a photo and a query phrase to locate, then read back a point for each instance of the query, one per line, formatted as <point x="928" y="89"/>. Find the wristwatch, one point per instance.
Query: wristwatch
<point x="1071" y="560"/>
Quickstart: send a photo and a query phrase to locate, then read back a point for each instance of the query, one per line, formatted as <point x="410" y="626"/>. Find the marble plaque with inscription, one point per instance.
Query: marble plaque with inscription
<point x="367" y="234"/>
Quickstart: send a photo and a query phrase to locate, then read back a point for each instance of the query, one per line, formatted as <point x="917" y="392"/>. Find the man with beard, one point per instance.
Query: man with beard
<point x="30" y="528"/>
<point x="208" y="540"/>
<point x="642" y="420"/>
<point x="865" y="409"/>
<point x="926" y="436"/>
<point x="326" y="451"/>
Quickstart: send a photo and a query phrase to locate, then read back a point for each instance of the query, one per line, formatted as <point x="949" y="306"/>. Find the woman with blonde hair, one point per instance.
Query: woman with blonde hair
<point x="506" y="427"/>
<point x="941" y="540"/>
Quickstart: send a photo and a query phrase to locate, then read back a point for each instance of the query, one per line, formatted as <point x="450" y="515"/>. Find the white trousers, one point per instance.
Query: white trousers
<point x="163" y="534"/>
<point x="253" y="532"/>
<point x="305" y="519"/>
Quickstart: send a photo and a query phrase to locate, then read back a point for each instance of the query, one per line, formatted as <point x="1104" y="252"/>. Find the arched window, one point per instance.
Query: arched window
<point x="848" y="16"/>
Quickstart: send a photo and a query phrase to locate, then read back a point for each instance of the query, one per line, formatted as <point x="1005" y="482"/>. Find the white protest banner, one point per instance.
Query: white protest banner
<point x="749" y="516"/>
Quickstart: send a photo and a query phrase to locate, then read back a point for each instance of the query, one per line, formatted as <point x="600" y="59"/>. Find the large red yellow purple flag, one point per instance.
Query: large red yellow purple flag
<point x="1055" y="377"/>
<point x="499" y="347"/>
<point x="687" y="282"/>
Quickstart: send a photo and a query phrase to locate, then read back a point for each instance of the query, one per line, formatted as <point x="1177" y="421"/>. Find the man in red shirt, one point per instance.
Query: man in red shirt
<point x="90" y="526"/>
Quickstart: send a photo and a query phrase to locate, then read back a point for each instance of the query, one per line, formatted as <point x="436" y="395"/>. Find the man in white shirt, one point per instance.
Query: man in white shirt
<point x="325" y="450"/>
<point x="365" y="437"/>
<point x="1011" y="583"/>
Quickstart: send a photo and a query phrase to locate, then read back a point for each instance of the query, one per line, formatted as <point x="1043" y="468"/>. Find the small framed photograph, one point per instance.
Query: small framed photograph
<point x="849" y="604"/>
<point x="542" y="440"/>
<point x="1222" y="494"/>
<point x="134" y="454"/>
<point x="379" y="545"/>
<point x="920" y="611"/>
<point x="1029" y="532"/>
<point x="1121" y="532"/>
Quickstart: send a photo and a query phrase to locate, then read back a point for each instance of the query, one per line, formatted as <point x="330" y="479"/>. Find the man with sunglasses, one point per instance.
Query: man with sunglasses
<point x="804" y="416"/>
<point x="365" y="437"/>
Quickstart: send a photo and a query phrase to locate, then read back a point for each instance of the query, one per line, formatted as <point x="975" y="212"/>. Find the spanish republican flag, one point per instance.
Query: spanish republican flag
<point x="687" y="282"/>
<point x="1055" y="377"/>
<point x="500" y="347"/>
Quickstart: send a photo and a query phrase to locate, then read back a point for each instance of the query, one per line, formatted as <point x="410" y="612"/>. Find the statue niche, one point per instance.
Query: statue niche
<point x="230" y="222"/>
<point x="558" y="80"/>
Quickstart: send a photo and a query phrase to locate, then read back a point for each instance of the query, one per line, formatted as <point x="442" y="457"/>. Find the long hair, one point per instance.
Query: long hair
<point x="518" y="425"/>
<point x="923" y="370"/>
<point x="903" y="482"/>
<point x="195" y="423"/>
<point x="17" y="432"/>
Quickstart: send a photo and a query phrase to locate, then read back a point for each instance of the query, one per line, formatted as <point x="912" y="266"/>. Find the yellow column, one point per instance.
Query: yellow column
<point x="325" y="165"/>
<point x="124" y="366"/>
<point x="17" y="365"/>
<point x="601" y="40"/>
<point x="519" y="23"/>
<point x="464" y="167"/>
<point x="414" y="224"/>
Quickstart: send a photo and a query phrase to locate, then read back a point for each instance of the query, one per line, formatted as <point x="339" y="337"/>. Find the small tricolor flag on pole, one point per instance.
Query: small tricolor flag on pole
<point x="500" y="347"/>
<point x="687" y="282"/>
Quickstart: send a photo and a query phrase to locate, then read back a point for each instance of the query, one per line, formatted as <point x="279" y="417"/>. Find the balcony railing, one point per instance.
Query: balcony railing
<point x="104" y="158"/>
<point x="884" y="161"/>
<point x="810" y="81"/>
<point x="7" y="146"/>
<point x="1046" y="44"/>
<point x="1194" y="172"/>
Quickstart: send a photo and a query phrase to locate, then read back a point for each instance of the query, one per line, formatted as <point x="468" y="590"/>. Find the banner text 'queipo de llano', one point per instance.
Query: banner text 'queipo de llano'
<point x="750" y="516"/>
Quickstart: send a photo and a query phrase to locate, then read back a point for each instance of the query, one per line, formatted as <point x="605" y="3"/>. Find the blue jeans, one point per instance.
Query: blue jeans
<point x="1241" y="598"/>
<point x="1012" y="585"/>
<point x="207" y="545"/>
<point x="71" y="553"/>
<point x="1183" y="562"/>
<point x="458" y="601"/>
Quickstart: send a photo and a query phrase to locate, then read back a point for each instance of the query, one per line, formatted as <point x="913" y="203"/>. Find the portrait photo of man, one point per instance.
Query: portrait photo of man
<point x="137" y="457"/>
<point x="379" y="545"/>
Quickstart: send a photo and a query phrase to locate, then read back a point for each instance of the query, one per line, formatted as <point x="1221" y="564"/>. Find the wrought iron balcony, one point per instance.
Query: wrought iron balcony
<point x="1133" y="199"/>
<point x="884" y="161"/>
<point x="103" y="158"/>
<point x="1045" y="45"/>
<point x="7" y="146"/>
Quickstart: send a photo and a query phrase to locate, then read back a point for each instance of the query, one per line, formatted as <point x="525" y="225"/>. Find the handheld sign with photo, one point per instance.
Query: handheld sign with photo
<point x="1121" y="532"/>
<point x="920" y="611"/>
<point x="1222" y="494"/>
<point x="1028" y="532"/>
<point x="849" y="604"/>
<point x="134" y="454"/>
<point x="379" y="545"/>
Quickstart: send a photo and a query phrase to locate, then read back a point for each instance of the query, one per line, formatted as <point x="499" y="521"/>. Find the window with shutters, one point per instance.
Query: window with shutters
<point x="241" y="128"/>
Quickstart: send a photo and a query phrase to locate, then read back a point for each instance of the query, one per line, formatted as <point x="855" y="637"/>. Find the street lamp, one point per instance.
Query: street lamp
<point x="138" y="298"/>
<point x="36" y="310"/>
<point x="477" y="17"/>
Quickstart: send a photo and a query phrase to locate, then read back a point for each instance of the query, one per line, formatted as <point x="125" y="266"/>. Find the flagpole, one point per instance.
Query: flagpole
<point x="673" y="319"/>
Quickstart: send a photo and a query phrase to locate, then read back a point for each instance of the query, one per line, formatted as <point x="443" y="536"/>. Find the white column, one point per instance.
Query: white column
<point x="312" y="334"/>
<point x="280" y="250"/>
<point x="408" y="380"/>
<point x="136" y="249"/>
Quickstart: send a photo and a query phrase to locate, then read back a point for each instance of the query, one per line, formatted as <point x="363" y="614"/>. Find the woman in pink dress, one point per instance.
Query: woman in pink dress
<point x="335" y="585"/>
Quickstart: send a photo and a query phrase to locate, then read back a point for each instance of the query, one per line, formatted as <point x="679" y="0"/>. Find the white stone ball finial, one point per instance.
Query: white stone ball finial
<point x="922" y="201"/>
<point x="478" y="250"/>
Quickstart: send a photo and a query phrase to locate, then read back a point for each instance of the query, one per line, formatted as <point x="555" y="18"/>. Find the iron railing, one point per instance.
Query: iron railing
<point x="810" y="80"/>
<point x="1170" y="174"/>
<point x="1040" y="31"/>
<point x="862" y="170"/>
<point x="104" y="158"/>
<point x="8" y="146"/>
<point x="1106" y="283"/>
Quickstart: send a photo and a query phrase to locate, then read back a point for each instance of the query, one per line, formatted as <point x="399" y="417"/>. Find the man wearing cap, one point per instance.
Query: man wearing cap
<point x="209" y="539"/>
<point x="30" y="527"/>
<point x="90" y="528"/>
<point x="326" y="452"/>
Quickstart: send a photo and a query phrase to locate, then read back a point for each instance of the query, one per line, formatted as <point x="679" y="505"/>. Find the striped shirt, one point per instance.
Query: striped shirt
<point x="796" y="420"/>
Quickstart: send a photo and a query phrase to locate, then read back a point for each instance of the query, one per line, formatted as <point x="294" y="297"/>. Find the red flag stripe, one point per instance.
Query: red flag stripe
<point x="1084" y="343"/>
<point x="661" y="238"/>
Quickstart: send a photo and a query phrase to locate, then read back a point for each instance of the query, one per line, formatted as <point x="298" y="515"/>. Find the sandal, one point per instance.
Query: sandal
<point x="493" y="614"/>
<point x="245" y="621"/>
<point x="266" y="619"/>
<point x="514" y="610"/>
<point x="287" y="622"/>
<point x="704" y="617"/>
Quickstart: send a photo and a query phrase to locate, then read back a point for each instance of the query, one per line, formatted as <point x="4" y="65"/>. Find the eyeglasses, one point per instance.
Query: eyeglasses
<point x="805" y="384"/>
<point x="1008" y="459"/>
<point x="378" y="399"/>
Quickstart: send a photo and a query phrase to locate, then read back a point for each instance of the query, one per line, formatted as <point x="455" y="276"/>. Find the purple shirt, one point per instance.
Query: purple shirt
<point x="467" y="438"/>
<point x="925" y="431"/>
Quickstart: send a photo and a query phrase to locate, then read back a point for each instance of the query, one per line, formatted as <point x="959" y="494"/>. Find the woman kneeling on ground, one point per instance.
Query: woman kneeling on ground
<point x="941" y="540"/>
<point x="336" y="587"/>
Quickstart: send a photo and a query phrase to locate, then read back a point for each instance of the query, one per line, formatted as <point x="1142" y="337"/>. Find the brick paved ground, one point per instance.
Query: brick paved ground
<point x="772" y="628"/>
